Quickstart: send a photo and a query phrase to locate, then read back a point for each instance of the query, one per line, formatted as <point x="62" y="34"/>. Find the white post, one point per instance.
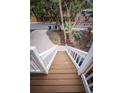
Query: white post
<point x="39" y="62"/>
<point x="87" y="61"/>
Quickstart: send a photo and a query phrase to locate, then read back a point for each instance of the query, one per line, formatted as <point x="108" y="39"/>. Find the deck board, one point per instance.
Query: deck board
<point x="57" y="89"/>
<point x="54" y="76"/>
<point x="62" y="78"/>
<point x="59" y="82"/>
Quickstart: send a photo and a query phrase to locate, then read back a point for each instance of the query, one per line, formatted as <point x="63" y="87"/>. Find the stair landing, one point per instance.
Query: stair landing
<point x="62" y="78"/>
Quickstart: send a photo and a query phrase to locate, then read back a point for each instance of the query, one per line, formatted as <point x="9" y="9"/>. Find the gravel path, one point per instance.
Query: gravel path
<point x="40" y="40"/>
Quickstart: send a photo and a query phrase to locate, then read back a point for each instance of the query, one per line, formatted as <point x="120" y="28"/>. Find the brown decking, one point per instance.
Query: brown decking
<point x="62" y="78"/>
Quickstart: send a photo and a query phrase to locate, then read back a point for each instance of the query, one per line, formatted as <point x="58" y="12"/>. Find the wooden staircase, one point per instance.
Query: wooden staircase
<point x="62" y="77"/>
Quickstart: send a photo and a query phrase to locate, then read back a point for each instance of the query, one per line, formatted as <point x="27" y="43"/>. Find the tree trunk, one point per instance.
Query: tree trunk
<point x="61" y="14"/>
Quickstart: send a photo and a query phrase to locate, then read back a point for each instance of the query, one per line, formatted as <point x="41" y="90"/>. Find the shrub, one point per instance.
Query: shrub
<point x="77" y="36"/>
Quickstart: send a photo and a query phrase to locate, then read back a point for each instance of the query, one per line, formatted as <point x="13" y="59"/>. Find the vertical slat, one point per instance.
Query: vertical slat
<point x="79" y="60"/>
<point x="85" y="84"/>
<point x="33" y="61"/>
<point x="32" y="68"/>
<point x="75" y="55"/>
<point x="72" y="53"/>
<point x="88" y="69"/>
<point x="76" y="58"/>
<point x="91" y="75"/>
<point x="90" y="85"/>
<point x="87" y="61"/>
<point x="42" y="61"/>
<point x="88" y="74"/>
<point x="39" y="62"/>
<point x="80" y="63"/>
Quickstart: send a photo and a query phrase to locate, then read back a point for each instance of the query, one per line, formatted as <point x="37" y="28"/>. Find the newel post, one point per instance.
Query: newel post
<point x="39" y="62"/>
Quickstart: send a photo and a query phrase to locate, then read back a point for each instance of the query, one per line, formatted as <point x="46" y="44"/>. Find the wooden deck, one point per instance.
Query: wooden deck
<point x="62" y="78"/>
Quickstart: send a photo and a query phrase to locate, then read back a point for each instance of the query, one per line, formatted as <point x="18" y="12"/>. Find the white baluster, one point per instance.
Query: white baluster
<point x="39" y="62"/>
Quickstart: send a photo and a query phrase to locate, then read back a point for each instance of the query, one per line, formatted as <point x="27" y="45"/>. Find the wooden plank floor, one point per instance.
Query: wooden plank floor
<point x="62" y="78"/>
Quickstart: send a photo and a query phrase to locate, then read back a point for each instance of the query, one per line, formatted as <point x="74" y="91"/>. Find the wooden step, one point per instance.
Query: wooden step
<point x="61" y="63"/>
<point x="57" y="89"/>
<point x="62" y="71"/>
<point x="56" y="82"/>
<point x="54" y="76"/>
<point x="61" y="78"/>
<point x="62" y="66"/>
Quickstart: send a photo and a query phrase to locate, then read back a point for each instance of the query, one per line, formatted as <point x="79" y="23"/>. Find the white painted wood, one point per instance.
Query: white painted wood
<point x="48" y="56"/>
<point x="87" y="62"/>
<point x="34" y="66"/>
<point x="90" y="85"/>
<point x="88" y="69"/>
<point x="47" y="52"/>
<point x="44" y="60"/>
<point x="85" y="84"/>
<point x="72" y="54"/>
<point x="76" y="58"/>
<point x="76" y="50"/>
<point x="48" y="66"/>
<point x="83" y="76"/>
<point x="38" y="62"/>
<point x="61" y="48"/>
<point x="85" y="67"/>
<point x="91" y="75"/>
<point x="72" y="59"/>
<point x="79" y="60"/>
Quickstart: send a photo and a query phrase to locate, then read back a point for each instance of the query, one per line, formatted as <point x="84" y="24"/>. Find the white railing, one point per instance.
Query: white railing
<point x="87" y="78"/>
<point x="84" y="64"/>
<point x="40" y="63"/>
<point x="86" y="71"/>
<point x="77" y="56"/>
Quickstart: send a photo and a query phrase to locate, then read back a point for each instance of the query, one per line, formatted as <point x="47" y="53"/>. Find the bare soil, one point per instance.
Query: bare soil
<point x="54" y="36"/>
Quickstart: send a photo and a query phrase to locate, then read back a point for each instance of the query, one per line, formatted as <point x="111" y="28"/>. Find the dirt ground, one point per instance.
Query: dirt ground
<point x="84" y="43"/>
<point x="54" y="36"/>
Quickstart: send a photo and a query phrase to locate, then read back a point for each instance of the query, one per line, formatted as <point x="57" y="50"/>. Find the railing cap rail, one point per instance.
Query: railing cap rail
<point x="77" y="49"/>
<point x="45" y="52"/>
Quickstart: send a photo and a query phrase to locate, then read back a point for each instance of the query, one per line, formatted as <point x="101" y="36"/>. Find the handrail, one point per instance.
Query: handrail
<point x="76" y="55"/>
<point x="49" y="55"/>
<point x="87" y="78"/>
<point x="36" y="62"/>
<point x="86" y="71"/>
<point x="78" y="50"/>
<point x="83" y="62"/>
<point x="47" y="51"/>
<point x="40" y="63"/>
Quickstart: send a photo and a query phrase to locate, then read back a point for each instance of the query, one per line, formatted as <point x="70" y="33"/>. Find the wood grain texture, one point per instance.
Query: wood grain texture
<point x="62" y="78"/>
<point x="54" y="76"/>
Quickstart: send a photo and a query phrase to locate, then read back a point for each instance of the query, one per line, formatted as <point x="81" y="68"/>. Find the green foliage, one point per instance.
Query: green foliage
<point x="48" y="8"/>
<point x="44" y="8"/>
<point x="77" y="35"/>
<point x="66" y="26"/>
